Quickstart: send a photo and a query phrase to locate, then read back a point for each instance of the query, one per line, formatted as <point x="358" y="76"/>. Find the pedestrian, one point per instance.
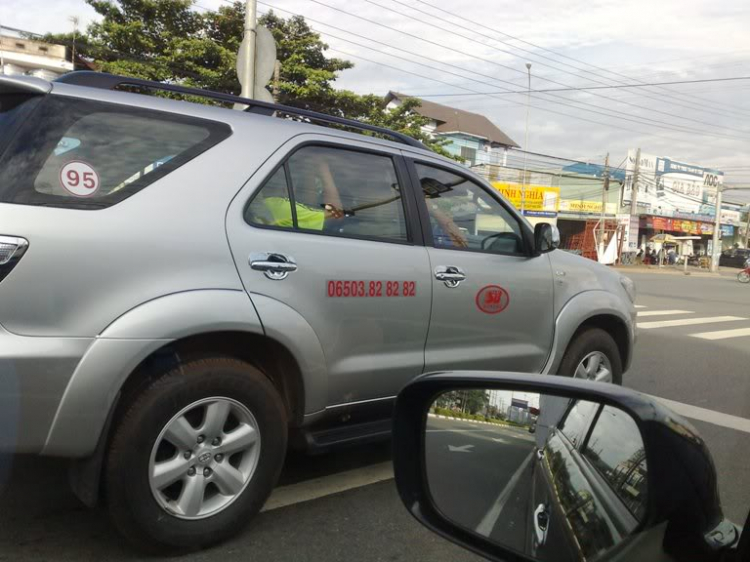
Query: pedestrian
<point x="639" y="257"/>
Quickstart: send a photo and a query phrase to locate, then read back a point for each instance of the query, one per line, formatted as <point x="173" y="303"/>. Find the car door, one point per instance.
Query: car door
<point x="323" y="228"/>
<point x="564" y="523"/>
<point x="492" y="304"/>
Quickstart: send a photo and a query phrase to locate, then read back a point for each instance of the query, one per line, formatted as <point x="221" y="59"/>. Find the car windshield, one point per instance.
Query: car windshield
<point x="232" y="232"/>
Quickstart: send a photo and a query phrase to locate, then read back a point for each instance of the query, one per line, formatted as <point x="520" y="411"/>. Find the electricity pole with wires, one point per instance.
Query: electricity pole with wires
<point x="605" y="193"/>
<point x="526" y="142"/>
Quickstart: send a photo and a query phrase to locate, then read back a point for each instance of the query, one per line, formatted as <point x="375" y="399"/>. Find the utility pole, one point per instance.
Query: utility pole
<point x="747" y="228"/>
<point x="716" y="245"/>
<point x="605" y="192"/>
<point x="526" y="141"/>
<point x="248" y="48"/>
<point x="634" y="196"/>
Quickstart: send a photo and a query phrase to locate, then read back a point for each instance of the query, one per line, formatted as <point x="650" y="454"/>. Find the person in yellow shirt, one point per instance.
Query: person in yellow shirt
<point x="308" y="218"/>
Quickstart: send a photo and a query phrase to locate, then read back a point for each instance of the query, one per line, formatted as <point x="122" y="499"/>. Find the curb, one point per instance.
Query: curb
<point x="670" y="271"/>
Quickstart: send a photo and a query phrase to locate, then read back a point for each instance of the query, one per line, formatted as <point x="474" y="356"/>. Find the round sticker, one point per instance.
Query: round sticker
<point x="79" y="179"/>
<point x="492" y="299"/>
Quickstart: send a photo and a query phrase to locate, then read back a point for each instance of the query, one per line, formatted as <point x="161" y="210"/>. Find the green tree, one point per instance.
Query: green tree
<point x="168" y="41"/>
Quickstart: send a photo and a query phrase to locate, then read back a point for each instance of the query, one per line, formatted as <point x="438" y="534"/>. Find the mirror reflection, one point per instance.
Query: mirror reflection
<point x="550" y="477"/>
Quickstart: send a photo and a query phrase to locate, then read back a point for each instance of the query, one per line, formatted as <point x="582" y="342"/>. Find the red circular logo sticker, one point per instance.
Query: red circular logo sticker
<point x="492" y="299"/>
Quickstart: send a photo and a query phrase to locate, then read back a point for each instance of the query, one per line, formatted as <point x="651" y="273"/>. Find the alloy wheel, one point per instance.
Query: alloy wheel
<point x="204" y="458"/>
<point x="595" y="367"/>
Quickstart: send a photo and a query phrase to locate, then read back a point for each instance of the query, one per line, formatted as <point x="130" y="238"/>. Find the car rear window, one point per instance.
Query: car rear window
<point x="85" y="154"/>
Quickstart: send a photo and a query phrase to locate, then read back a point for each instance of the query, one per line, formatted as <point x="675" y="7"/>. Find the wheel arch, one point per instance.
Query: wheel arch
<point x="599" y="309"/>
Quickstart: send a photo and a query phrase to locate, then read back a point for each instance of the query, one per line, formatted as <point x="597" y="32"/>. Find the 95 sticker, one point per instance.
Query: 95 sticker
<point x="79" y="179"/>
<point x="371" y="289"/>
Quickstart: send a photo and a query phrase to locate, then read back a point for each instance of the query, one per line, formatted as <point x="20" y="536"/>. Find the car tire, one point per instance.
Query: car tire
<point x="235" y="485"/>
<point x="587" y="345"/>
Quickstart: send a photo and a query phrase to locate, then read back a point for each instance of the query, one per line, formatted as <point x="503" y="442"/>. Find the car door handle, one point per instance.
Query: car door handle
<point x="541" y="524"/>
<point x="451" y="275"/>
<point x="275" y="266"/>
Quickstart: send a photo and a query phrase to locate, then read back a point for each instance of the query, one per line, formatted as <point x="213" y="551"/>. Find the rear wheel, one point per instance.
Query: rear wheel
<point x="195" y="455"/>
<point x="593" y="355"/>
<point x="743" y="277"/>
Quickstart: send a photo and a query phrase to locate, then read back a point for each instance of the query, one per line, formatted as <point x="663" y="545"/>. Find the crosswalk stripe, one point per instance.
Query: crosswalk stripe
<point x="722" y="334"/>
<point x="687" y="322"/>
<point x="640" y="306"/>
<point x="662" y="312"/>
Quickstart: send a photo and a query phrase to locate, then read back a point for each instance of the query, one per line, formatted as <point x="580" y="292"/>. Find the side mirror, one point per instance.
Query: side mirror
<point x="546" y="238"/>
<point x="536" y="468"/>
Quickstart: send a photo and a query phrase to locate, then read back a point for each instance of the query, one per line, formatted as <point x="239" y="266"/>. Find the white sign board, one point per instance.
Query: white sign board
<point x="666" y="185"/>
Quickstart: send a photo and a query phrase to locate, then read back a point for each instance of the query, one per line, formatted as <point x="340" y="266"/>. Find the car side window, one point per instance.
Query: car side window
<point x="464" y="216"/>
<point x="577" y="420"/>
<point x="333" y="191"/>
<point x="621" y="460"/>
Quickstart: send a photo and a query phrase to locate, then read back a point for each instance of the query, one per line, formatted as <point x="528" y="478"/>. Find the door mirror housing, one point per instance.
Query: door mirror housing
<point x="546" y="238"/>
<point x="607" y="473"/>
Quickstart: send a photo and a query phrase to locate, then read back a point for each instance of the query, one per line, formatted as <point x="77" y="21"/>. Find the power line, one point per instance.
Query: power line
<point x="641" y="120"/>
<point x="585" y="88"/>
<point x="531" y="44"/>
<point x="512" y="54"/>
<point x="611" y="112"/>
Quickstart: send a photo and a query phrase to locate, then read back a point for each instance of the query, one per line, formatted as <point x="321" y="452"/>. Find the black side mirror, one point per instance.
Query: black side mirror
<point x="608" y="473"/>
<point x="546" y="238"/>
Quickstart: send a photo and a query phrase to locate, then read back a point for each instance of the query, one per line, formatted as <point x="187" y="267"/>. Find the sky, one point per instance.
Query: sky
<point x="482" y="46"/>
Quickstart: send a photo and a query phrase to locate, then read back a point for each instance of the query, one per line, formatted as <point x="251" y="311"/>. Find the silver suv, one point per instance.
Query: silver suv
<point x="186" y="289"/>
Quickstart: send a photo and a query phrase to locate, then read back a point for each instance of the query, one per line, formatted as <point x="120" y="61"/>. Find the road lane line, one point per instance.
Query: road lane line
<point x="327" y="485"/>
<point x="640" y="306"/>
<point x="722" y="334"/>
<point x="490" y="518"/>
<point x="662" y="312"/>
<point x="688" y="322"/>
<point x="708" y="416"/>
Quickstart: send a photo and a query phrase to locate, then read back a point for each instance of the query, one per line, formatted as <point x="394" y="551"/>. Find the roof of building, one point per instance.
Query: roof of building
<point x="452" y="120"/>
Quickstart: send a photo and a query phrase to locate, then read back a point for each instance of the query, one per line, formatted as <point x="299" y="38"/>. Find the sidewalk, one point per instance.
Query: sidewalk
<point x="678" y="270"/>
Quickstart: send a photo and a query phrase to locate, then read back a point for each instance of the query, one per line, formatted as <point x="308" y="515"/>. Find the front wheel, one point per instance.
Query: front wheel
<point x="593" y="355"/>
<point x="195" y="455"/>
<point x="743" y="276"/>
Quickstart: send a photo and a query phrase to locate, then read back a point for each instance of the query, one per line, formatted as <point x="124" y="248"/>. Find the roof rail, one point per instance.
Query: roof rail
<point x="106" y="81"/>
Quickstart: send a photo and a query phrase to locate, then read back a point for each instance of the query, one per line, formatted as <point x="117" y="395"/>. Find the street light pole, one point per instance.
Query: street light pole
<point x="526" y="142"/>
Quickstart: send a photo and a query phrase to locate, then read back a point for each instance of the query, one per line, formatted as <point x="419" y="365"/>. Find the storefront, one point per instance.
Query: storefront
<point x="652" y="225"/>
<point x="540" y="203"/>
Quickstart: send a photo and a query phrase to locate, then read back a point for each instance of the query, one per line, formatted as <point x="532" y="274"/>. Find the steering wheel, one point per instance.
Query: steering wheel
<point x="489" y="241"/>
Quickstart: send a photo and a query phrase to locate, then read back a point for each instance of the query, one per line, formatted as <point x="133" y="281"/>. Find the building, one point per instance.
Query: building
<point x="31" y="57"/>
<point x="472" y="136"/>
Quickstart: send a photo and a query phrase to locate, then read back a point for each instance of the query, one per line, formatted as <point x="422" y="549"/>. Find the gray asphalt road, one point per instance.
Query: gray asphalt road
<point x="469" y="466"/>
<point x="714" y="374"/>
<point x="41" y="520"/>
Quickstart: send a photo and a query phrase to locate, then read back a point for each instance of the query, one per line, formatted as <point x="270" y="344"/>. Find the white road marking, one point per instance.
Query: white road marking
<point x="687" y="322"/>
<point x="662" y="312"/>
<point x="460" y="449"/>
<point x="640" y="306"/>
<point x="327" y="485"/>
<point x="490" y="518"/>
<point x="497" y="440"/>
<point x="722" y="334"/>
<point x="705" y="415"/>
